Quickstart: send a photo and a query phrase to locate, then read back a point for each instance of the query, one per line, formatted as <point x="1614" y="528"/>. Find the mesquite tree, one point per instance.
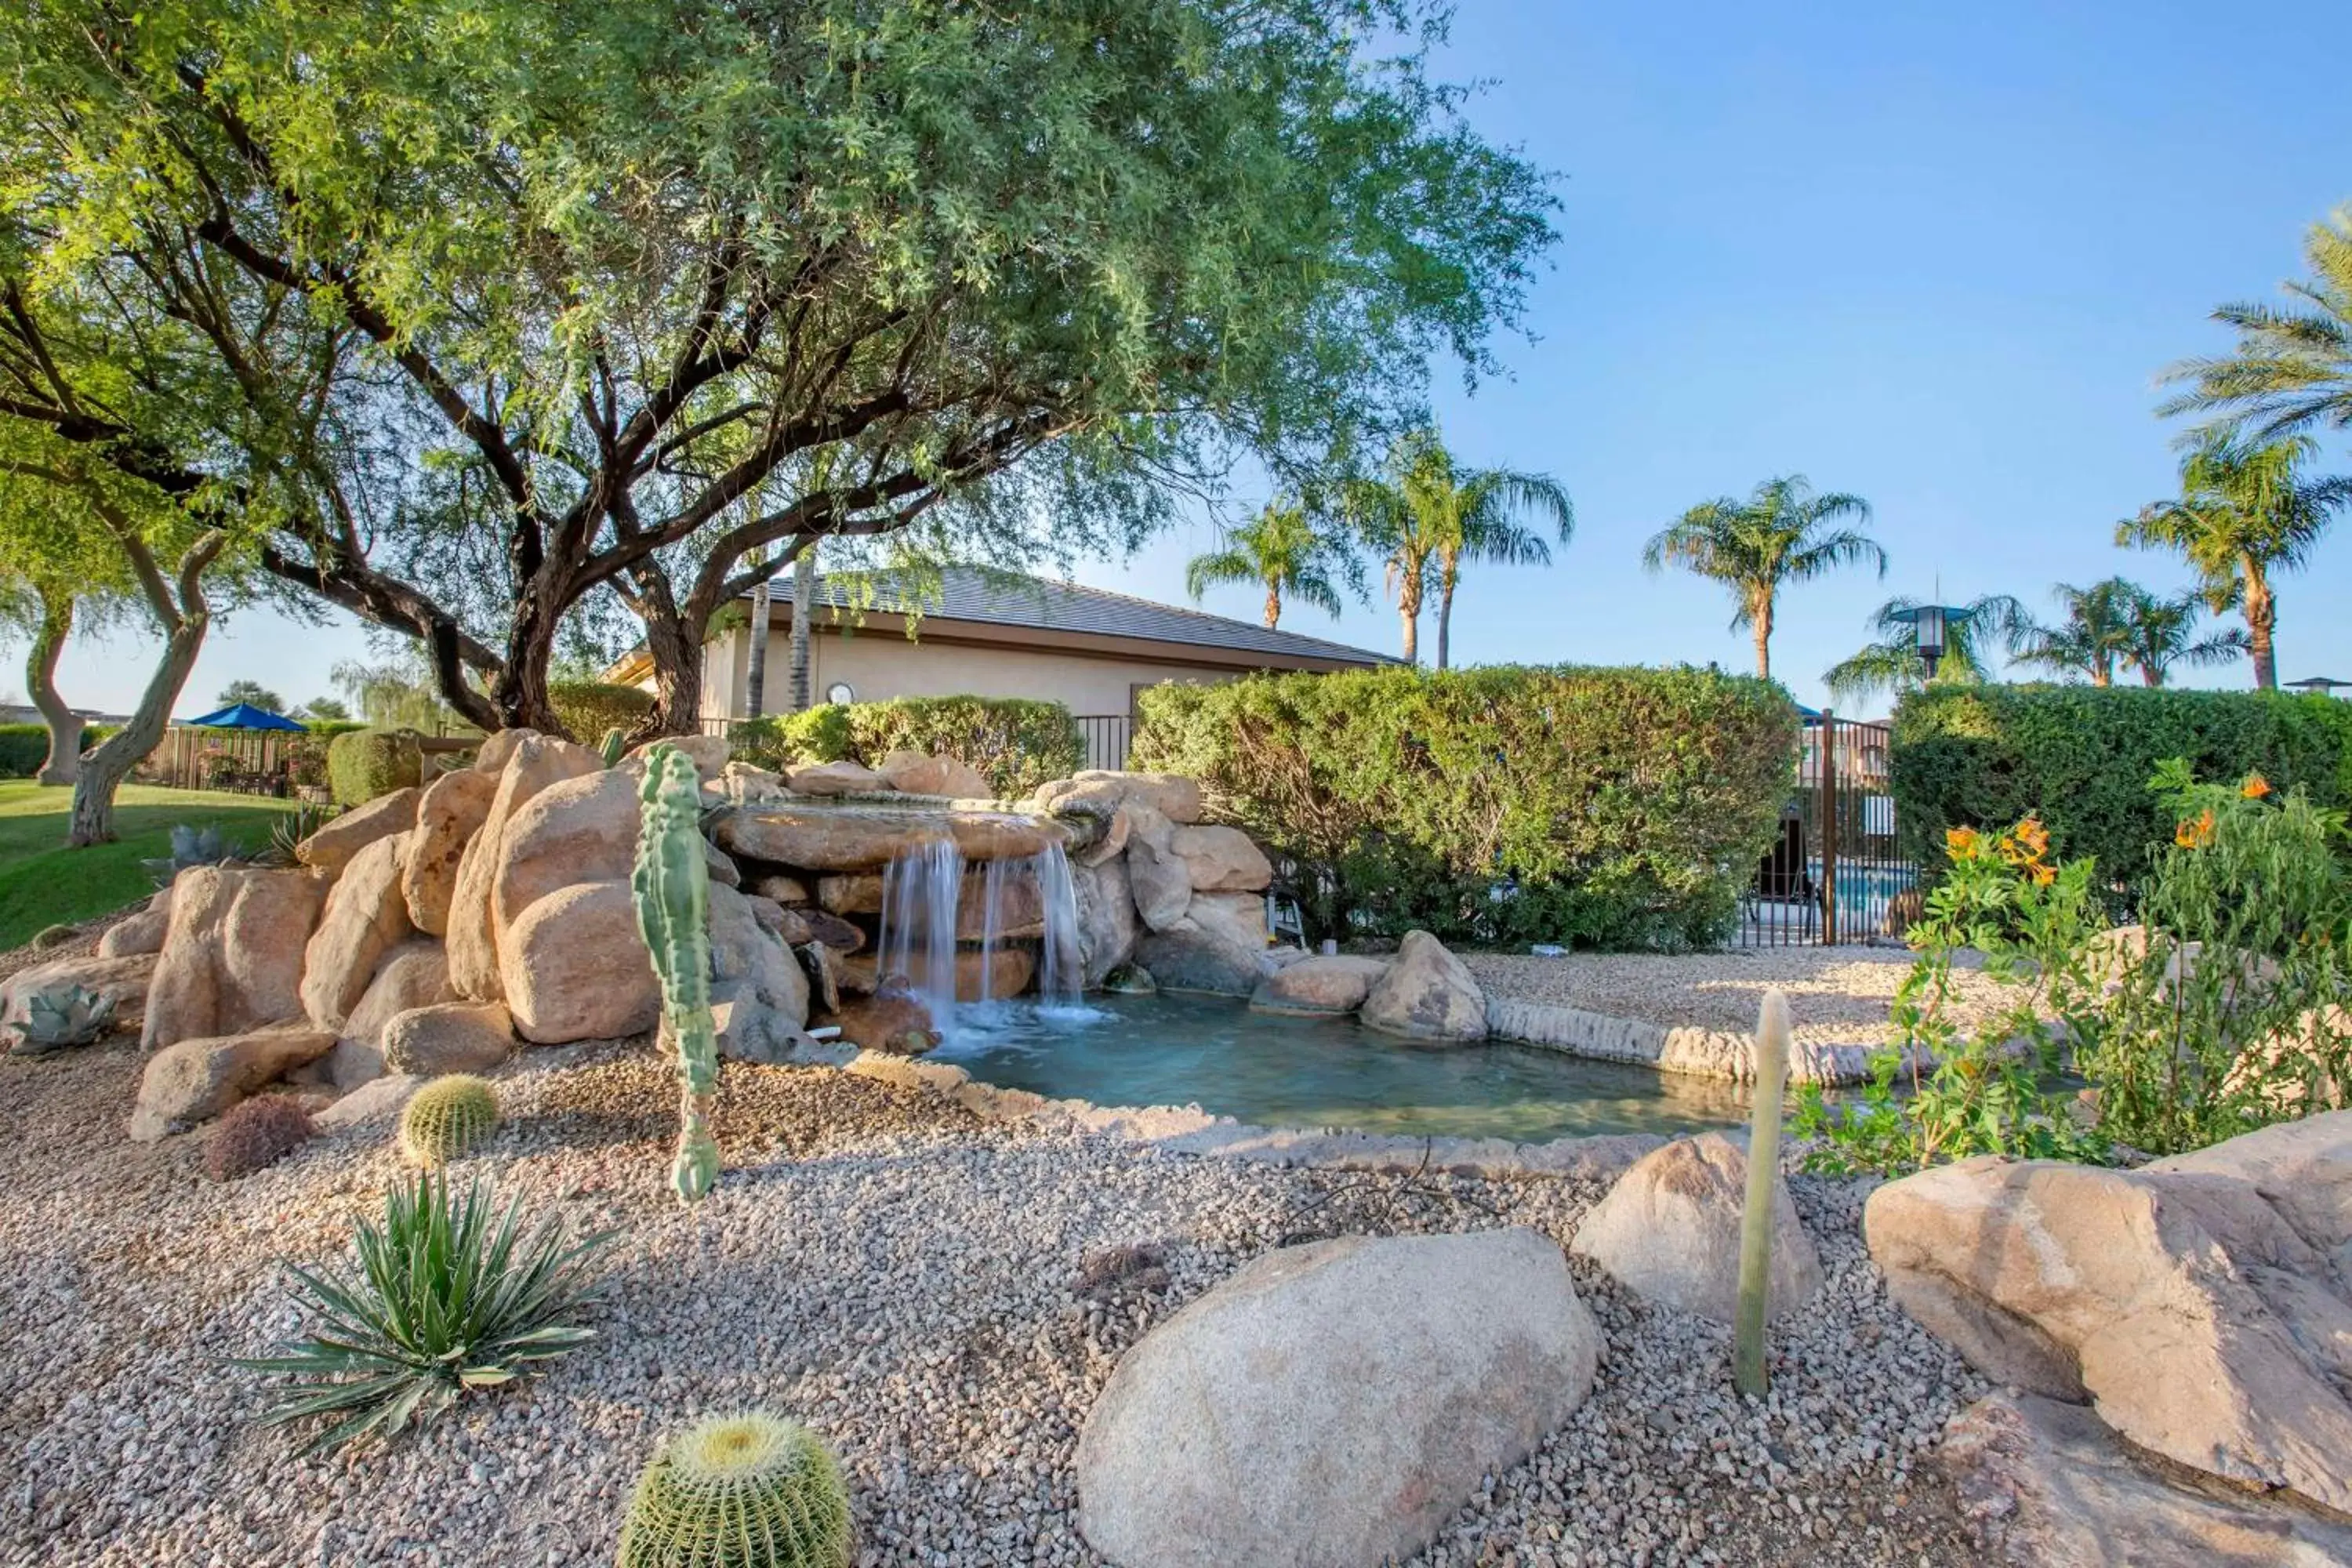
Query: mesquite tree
<point x="609" y="299"/>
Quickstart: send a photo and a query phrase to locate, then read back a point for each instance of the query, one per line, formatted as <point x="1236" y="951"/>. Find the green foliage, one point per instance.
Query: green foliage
<point x="365" y="764"/>
<point x="749" y="1490"/>
<point x="1618" y="808"/>
<point x="59" y="1018"/>
<point x="448" y="1117"/>
<point x="450" y="1295"/>
<point x="590" y="707"/>
<point x="2291" y="370"/>
<point x="1015" y="743"/>
<point x="1975" y="636"/>
<point x="1782" y="533"/>
<point x="615" y="744"/>
<point x="2077" y="757"/>
<point x="1280" y="550"/>
<point x="253" y="694"/>
<point x="1982" y="1091"/>
<point x="24" y="747"/>
<point x="196" y="844"/>
<point x="671" y="881"/>
<point x="255" y="1134"/>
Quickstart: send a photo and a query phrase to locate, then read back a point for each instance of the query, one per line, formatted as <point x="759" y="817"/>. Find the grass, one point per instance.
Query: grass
<point x="43" y="883"/>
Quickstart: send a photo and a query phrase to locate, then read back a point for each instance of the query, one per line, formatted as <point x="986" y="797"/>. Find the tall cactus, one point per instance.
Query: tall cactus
<point x="1756" y="1214"/>
<point x="672" y="884"/>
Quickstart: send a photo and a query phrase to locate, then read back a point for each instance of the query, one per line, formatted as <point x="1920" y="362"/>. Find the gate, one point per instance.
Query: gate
<point x="1835" y="874"/>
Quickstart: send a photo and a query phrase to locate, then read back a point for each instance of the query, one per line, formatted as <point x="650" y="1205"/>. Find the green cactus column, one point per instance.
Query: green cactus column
<point x="672" y="883"/>
<point x="1757" y="1217"/>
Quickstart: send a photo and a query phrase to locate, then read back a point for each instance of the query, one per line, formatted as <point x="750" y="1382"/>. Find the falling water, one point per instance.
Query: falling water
<point x="919" y="923"/>
<point x="1059" y="972"/>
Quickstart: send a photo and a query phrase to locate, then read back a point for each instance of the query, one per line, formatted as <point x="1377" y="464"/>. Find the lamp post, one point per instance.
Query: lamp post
<point x="1934" y="623"/>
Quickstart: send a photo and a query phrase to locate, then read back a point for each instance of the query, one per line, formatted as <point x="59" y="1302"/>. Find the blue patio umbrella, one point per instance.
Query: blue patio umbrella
<point x="246" y="716"/>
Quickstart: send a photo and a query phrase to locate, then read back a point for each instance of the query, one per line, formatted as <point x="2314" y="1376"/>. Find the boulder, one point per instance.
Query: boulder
<point x="758" y="994"/>
<point x="823" y="967"/>
<point x="828" y="838"/>
<point x="1318" y="987"/>
<point x="232" y="960"/>
<point x="855" y="893"/>
<point x="744" y="784"/>
<point x="366" y="916"/>
<point x="1161" y="882"/>
<point x="194" y="1080"/>
<point x="448" y="814"/>
<point x="1334" y="1404"/>
<point x="1669" y="1231"/>
<point x="125" y="979"/>
<point x="1238" y="918"/>
<point x="1426" y="994"/>
<point x="994" y="974"/>
<point x="580" y="829"/>
<point x="373" y="1106"/>
<point x="1107" y="839"/>
<point x="893" y="1020"/>
<point x="790" y="927"/>
<point x="839" y="935"/>
<point x="332" y="848"/>
<point x="497" y="749"/>
<point x="142" y="933"/>
<point x="835" y="778"/>
<point x="2198" y="1302"/>
<point x="1222" y="860"/>
<point x="574" y="967"/>
<point x="783" y="890"/>
<point x="1106" y="917"/>
<point x="709" y="753"/>
<point x="448" y="1036"/>
<point x="1173" y="796"/>
<point x="1197" y="961"/>
<point x="414" y="975"/>
<point x="533" y="762"/>
<point x="721" y="865"/>
<point x="912" y="773"/>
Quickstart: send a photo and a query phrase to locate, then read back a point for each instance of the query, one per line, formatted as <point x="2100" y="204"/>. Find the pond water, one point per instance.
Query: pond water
<point x="1318" y="1073"/>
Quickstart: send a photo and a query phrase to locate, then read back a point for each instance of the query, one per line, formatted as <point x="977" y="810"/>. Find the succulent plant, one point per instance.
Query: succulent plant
<point x="672" y="884"/>
<point x="254" y="1133"/>
<point x="1756" y="1214"/>
<point x="193" y="845"/>
<point x="749" y="1490"/>
<point x="447" y="1117"/>
<point x="67" y="1015"/>
<point x="616" y="743"/>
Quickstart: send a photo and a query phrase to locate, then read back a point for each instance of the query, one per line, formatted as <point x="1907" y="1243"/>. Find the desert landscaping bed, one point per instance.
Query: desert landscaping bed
<point x="929" y="1291"/>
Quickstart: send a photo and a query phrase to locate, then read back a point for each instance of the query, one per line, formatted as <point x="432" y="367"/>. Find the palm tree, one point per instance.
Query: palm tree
<point x="2291" y="370"/>
<point x="1984" y="628"/>
<point x="2160" y="633"/>
<point x="2093" y="637"/>
<point x="1781" y="533"/>
<point x="1280" y="549"/>
<point x="2244" y="513"/>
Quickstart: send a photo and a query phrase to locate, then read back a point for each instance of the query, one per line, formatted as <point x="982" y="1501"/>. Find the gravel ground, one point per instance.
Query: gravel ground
<point x="1837" y="995"/>
<point x="904" y="1278"/>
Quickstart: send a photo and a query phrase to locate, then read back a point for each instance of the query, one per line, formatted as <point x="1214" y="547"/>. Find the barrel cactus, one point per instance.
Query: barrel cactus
<point x="448" y="1117"/>
<point x="672" y="884"/>
<point x="67" y="1015"/>
<point x="752" y="1490"/>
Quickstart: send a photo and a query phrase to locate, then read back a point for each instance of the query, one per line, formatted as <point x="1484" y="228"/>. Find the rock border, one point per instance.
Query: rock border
<point x="1724" y="1055"/>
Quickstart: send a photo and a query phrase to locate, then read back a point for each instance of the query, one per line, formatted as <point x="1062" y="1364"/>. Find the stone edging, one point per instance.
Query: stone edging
<point x="1722" y="1053"/>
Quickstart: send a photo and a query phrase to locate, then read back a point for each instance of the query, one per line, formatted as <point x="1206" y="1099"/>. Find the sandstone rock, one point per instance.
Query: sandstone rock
<point x="448" y="1036"/>
<point x="1334" y="1404"/>
<point x="1426" y="994"/>
<point x="892" y="1019"/>
<point x="574" y="967"/>
<point x="1107" y="840"/>
<point x="1222" y="860"/>
<point x="856" y="893"/>
<point x="1000" y="973"/>
<point x="1317" y="987"/>
<point x="721" y="865"/>
<point x="787" y="926"/>
<point x="332" y="847"/>
<point x="782" y="888"/>
<point x="2198" y="1302"/>
<point x="1106" y="917"/>
<point x="580" y="829"/>
<point x="366" y="915"/>
<point x="823" y="967"/>
<point x="744" y="784"/>
<point x="709" y="752"/>
<point x="1173" y="796"/>
<point x="125" y="979"/>
<point x="829" y="928"/>
<point x="232" y="960"/>
<point x="533" y="762"/>
<point x="1237" y="918"/>
<point x="757" y="993"/>
<point x="912" y="773"/>
<point x="373" y="1106"/>
<point x="1161" y="882"/>
<point x="192" y="1079"/>
<point x="448" y="814"/>
<point x="497" y="749"/>
<point x="414" y="975"/>
<point x="142" y="933"/>
<point x="835" y="778"/>
<point x="830" y="838"/>
<point x="1669" y="1231"/>
<point x="1197" y="961"/>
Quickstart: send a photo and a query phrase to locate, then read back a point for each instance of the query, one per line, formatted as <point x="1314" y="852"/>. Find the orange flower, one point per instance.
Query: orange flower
<point x="2035" y="837"/>
<point x="2046" y="875"/>
<point x="2198" y="834"/>
<point x="1960" y="843"/>
<point x="2256" y="787"/>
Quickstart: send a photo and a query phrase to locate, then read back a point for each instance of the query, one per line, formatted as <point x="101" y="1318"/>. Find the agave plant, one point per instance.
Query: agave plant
<point x="54" y="1020"/>
<point x="448" y="1295"/>
<point x="193" y="845"/>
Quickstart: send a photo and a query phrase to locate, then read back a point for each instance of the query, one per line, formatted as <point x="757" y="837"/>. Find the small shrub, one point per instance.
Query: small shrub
<point x="193" y="845"/>
<point x="448" y="1117"/>
<point x="753" y="1490"/>
<point x="362" y="765"/>
<point x="1016" y="744"/>
<point x="24" y="747"/>
<point x="254" y="1133"/>
<point x="586" y="708"/>
<point x="449" y="1296"/>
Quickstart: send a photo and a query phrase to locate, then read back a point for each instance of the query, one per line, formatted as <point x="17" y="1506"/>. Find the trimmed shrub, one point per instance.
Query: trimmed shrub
<point x="365" y="764"/>
<point x="24" y="747"/>
<point x="2079" y="758"/>
<point x="587" y="709"/>
<point x="1016" y="742"/>
<point x="254" y="1133"/>
<point x="1598" y="808"/>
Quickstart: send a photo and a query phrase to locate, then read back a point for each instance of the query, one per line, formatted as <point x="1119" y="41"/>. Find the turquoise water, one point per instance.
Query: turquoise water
<point x="1312" y="1072"/>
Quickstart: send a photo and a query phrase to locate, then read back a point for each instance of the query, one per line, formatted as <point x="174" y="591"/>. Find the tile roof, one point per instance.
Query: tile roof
<point x="997" y="598"/>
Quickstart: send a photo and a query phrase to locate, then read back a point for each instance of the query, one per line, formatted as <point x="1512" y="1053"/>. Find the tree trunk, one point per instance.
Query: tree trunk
<point x="2102" y="674"/>
<point x="520" y="695"/>
<point x="185" y="618"/>
<point x="1760" y="617"/>
<point x="676" y="649"/>
<point x="755" y="677"/>
<point x="63" y="765"/>
<point x="1444" y="615"/>
<point x="2262" y="619"/>
<point x="1273" y="605"/>
<point x="2149" y="675"/>
<point x="803" y="607"/>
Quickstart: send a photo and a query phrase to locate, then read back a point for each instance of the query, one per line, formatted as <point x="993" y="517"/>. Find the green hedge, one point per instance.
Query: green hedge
<point x="589" y="708"/>
<point x="1598" y="808"/>
<point x="1016" y="742"/>
<point x="2080" y="757"/>
<point x="24" y="747"/>
<point x="365" y="764"/>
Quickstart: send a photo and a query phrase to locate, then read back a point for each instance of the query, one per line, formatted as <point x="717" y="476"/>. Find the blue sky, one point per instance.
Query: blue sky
<point x="1932" y="255"/>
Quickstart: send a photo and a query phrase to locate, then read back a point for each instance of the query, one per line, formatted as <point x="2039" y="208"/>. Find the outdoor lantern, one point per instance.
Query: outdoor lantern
<point x="1934" y="623"/>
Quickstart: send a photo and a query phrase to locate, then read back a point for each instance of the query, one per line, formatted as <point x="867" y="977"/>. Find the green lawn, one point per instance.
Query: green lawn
<point x="43" y="883"/>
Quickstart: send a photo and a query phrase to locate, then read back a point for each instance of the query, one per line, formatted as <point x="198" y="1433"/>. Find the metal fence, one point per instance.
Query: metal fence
<point x="1108" y="737"/>
<point x="1835" y="874"/>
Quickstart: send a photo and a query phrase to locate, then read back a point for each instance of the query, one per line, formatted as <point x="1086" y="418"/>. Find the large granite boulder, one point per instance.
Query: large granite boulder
<point x="1106" y="917"/>
<point x="1195" y="960"/>
<point x="123" y="981"/>
<point x="448" y="1036"/>
<point x="532" y="763"/>
<point x="758" y="993"/>
<point x="834" y="779"/>
<point x="366" y="915"/>
<point x="1235" y="919"/>
<point x="1173" y="796"/>
<point x="449" y="813"/>
<point x="142" y="933"/>
<point x="1333" y="1405"/>
<point x="576" y="968"/>
<point x="1156" y="874"/>
<point x="891" y="1019"/>
<point x="816" y="837"/>
<point x="414" y="975"/>
<point x="582" y="829"/>
<point x="232" y="960"/>
<point x="1669" y="1231"/>
<point x="912" y="773"/>
<point x="1320" y="986"/>
<point x="1426" y="994"/>
<point x="709" y="753"/>
<point x="332" y="847"/>
<point x="1222" y="860"/>
<point x="192" y="1081"/>
<point x="2201" y="1302"/>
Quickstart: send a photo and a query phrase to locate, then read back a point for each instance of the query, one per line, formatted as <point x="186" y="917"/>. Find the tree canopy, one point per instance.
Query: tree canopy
<point x="1783" y="532"/>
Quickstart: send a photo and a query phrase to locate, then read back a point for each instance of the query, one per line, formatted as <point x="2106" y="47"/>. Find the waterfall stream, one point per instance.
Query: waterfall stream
<point x="921" y="891"/>
<point x="919" y="923"/>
